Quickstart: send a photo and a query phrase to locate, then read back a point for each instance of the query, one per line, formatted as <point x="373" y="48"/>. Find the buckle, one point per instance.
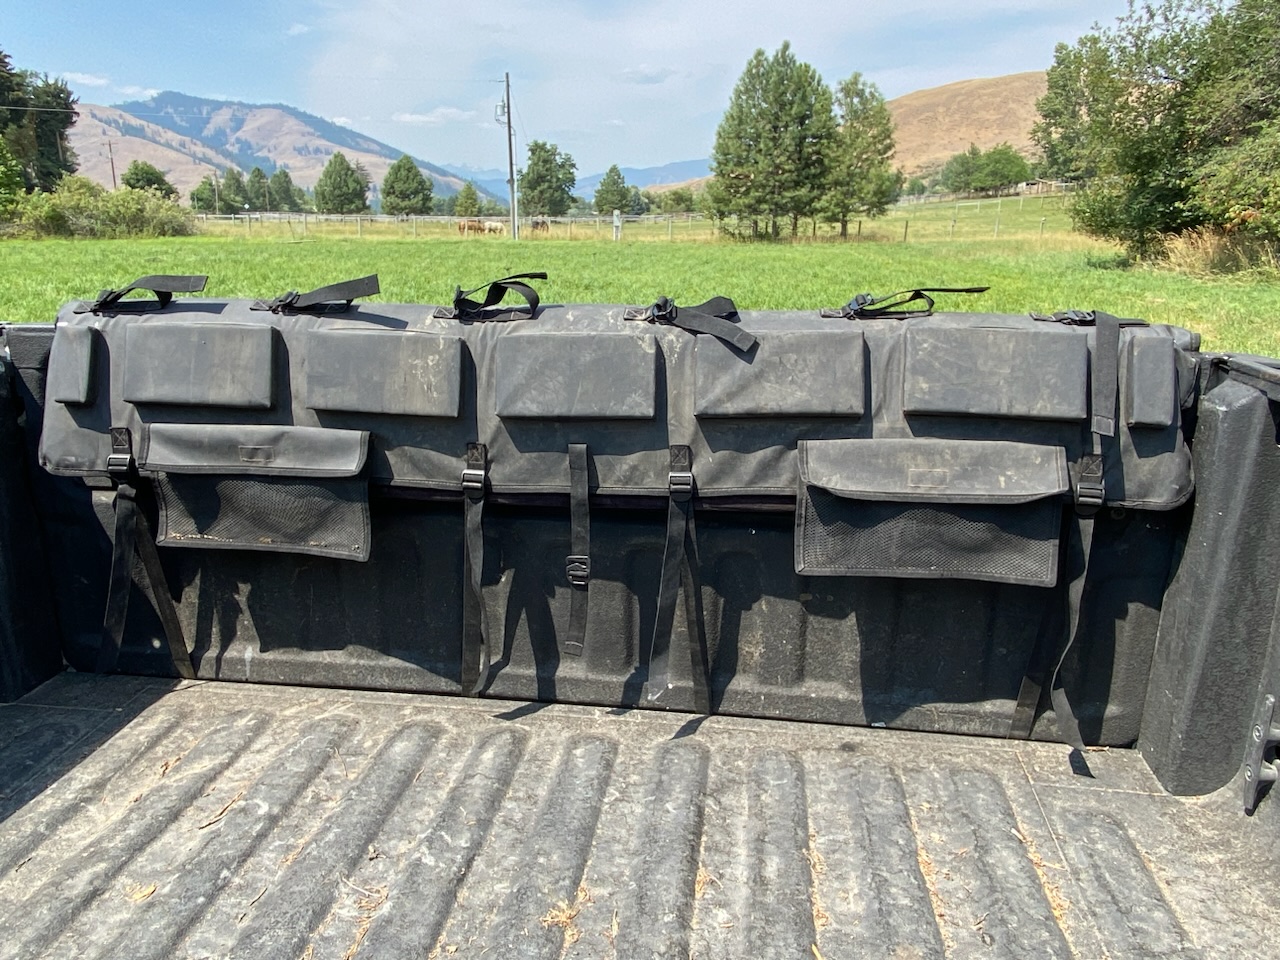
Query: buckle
<point x="1091" y="488"/>
<point x="578" y="569"/>
<point x="680" y="484"/>
<point x="119" y="463"/>
<point x="473" y="481"/>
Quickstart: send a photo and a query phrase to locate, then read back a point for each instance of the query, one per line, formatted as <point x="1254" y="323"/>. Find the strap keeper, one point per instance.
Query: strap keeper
<point x="120" y="462"/>
<point x="578" y="570"/>
<point x="680" y="478"/>
<point x="476" y="471"/>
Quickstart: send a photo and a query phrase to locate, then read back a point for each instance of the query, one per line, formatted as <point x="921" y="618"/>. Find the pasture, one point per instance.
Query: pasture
<point x="1029" y="266"/>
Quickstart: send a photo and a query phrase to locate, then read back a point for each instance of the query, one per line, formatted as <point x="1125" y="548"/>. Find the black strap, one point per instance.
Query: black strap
<point x="891" y="306"/>
<point x="679" y="562"/>
<point x="1080" y="532"/>
<point x="476" y="656"/>
<point x="578" y="563"/>
<point x="464" y="308"/>
<point x="1048" y="641"/>
<point x="133" y="536"/>
<point x="164" y="286"/>
<point x="717" y="317"/>
<point x="337" y="296"/>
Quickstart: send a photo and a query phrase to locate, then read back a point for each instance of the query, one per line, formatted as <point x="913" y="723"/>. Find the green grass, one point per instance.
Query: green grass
<point x="1025" y="271"/>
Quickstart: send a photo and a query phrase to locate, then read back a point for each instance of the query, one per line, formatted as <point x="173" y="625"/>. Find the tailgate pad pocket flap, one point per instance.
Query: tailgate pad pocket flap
<point x="602" y="376"/>
<point x="199" y="364"/>
<point x="361" y="371"/>
<point x="789" y="374"/>
<point x="973" y="510"/>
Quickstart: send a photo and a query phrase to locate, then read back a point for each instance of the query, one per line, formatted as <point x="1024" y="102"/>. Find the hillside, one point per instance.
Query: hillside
<point x="932" y="125"/>
<point x="187" y="137"/>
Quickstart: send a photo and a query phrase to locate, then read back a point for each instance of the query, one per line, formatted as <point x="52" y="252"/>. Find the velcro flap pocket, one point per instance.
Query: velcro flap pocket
<point x="249" y="487"/>
<point x="603" y="376"/>
<point x="199" y="364"/>
<point x="71" y="365"/>
<point x="1151" y="382"/>
<point x="363" y="371"/>
<point x="1038" y="374"/>
<point x="265" y="449"/>
<point x="975" y="510"/>
<point x="787" y="374"/>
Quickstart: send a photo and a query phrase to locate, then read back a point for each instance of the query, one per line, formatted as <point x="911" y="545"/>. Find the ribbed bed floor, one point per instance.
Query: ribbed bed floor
<point x="143" y="819"/>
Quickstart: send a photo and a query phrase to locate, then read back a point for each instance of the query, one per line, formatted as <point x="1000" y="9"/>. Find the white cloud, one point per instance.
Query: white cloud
<point x="85" y="79"/>
<point x="342" y="121"/>
<point x="145" y="93"/>
<point x="297" y="30"/>
<point x="435" y="117"/>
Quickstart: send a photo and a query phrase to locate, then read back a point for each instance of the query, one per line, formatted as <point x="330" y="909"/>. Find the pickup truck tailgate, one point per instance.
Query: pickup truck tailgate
<point x="148" y="818"/>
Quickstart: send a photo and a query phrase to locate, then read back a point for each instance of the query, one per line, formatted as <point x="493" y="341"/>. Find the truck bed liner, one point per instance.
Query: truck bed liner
<point x="149" y="818"/>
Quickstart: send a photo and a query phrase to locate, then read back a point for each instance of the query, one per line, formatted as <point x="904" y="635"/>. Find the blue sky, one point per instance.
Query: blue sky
<point x="638" y="84"/>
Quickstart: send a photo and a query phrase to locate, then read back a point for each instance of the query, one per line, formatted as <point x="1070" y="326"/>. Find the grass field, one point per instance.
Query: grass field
<point x="1027" y="270"/>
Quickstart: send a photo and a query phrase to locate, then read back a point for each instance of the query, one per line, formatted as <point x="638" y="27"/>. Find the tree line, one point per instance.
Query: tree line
<point x="36" y="112"/>
<point x="1172" y="119"/>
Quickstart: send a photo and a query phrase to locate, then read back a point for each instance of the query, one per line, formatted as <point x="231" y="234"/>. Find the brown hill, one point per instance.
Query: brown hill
<point x="184" y="161"/>
<point x="932" y="125"/>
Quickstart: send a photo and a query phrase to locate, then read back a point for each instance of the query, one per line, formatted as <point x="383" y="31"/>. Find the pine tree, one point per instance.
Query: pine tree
<point x="256" y="187"/>
<point x="233" y="194"/>
<point x="405" y="190"/>
<point x="467" y="203"/>
<point x="546" y="183"/>
<point x="861" y="180"/>
<point x="141" y="175"/>
<point x="770" y="153"/>
<point x="281" y="191"/>
<point x="342" y="188"/>
<point x="612" y="194"/>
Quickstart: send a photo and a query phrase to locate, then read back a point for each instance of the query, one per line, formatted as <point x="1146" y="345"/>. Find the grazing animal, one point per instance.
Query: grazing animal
<point x="470" y="226"/>
<point x="540" y="225"/>
<point x="494" y="226"/>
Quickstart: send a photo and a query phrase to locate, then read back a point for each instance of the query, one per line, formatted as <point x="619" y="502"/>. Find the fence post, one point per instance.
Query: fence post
<point x="951" y="231"/>
<point x="905" y="225"/>
<point x="859" y="229"/>
<point x="1042" y="219"/>
<point x="359" y="226"/>
<point x="415" y="227"/>
<point x="668" y="226"/>
<point x="997" y="223"/>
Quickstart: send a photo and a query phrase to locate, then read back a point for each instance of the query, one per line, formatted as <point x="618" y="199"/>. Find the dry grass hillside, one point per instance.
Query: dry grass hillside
<point x="184" y="161"/>
<point x="932" y="125"/>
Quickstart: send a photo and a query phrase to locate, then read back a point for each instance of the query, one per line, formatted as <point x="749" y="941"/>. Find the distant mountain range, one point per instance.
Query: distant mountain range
<point x="191" y="137"/>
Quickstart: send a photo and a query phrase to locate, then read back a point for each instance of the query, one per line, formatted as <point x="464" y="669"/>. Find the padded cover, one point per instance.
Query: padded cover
<point x="572" y="376"/>
<point x="198" y="364"/>
<point x="791" y="373"/>
<point x="384" y="371"/>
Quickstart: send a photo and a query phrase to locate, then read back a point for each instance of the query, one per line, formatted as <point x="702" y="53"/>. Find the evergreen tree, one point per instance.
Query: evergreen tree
<point x="612" y="193"/>
<point x="547" y="181"/>
<point x="861" y="180"/>
<point x="405" y="190"/>
<point x="255" y="189"/>
<point x="203" y="197"/>
<point x="35" y="114"/>
<point x="233" y="194"/>
<point x="141" y="175"/>
<point x="342" y="188"/>
<point x="467" y="201"/>
<point x="770" y="155"/>
<point x="281" y="191"/>
<point x="12" y="185"/>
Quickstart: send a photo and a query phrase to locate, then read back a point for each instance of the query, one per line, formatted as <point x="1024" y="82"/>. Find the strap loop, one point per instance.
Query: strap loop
<point x="468" y="310"/>
<point x="164" y="286"/>
<point x="476" y="656"/>
<point x="322" y="299"/>
<point x="577" y="565"/>
<point x="891" y="307"/>
<point x="717" y="317"/>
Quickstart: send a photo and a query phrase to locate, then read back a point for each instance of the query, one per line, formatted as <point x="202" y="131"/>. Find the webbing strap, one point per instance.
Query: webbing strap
<point x="679" y="561"/>
<point x="1081" y="540"/>
<point x="893" y="306"/>
<point x="578" y="563"/>
<point x="1049" y="639"/>
<point x="476" y="656"/>
<point x="335" y="295"/>
<point x="133" y="536"/>
<point x="164" y="286"/>
<point x="464" y="308"/>
<point x="717" y="317"/>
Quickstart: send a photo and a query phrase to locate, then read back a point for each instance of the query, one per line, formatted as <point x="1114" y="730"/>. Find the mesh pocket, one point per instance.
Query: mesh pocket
<point x="1007" y="543"/>
<point x="325" y="518"/>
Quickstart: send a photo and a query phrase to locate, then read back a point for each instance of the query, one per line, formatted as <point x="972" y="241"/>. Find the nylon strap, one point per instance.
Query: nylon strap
<point x="464" y="308"/>
<point x="679" y="562"/>
<point x="1049" y="638"/>
<point x="893" y="306"/>
<point x="133" y="536"/>
<point x="717" y="317"/>
<point x="335" y="295"/>
<point x="578" y="563"/>
<point x="1081" y="538"/>
<point x="164" y="286"/>
<point x="476" y="656"/>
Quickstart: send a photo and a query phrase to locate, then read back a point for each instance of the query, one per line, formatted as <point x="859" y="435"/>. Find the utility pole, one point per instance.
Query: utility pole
<point x="111" y="155"/>
<point x="504" y="115"/>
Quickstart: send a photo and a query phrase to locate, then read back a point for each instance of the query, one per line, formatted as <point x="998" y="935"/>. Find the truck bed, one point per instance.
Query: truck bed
<point x="154" y="818"/>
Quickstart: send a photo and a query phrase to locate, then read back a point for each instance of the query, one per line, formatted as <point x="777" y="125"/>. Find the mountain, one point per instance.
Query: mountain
<point x="932" y="125"/>
<point x="188" y="137"/>
<point x="644" y="177"/>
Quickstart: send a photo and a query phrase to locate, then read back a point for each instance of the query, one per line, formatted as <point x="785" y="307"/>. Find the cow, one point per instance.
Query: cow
<point x="470" y="226"/>
<point x="494" y="226"/>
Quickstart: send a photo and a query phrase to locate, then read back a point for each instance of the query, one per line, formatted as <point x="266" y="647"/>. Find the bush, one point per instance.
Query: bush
<point x="81" y="208"/>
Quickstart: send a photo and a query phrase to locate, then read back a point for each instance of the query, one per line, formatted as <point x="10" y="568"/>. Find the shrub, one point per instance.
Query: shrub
<point x="81" y="208"/>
